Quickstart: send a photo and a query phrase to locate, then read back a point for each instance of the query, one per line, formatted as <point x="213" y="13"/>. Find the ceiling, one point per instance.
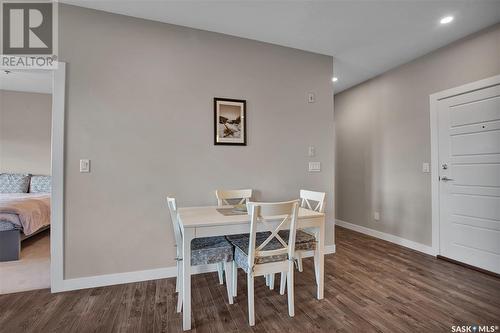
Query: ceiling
<point x="27" y="81"/>
<point x="366" y="38"/>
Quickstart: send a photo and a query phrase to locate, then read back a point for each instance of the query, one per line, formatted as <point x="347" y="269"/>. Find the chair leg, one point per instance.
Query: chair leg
<point x="220" y="272"/>
<point x="235" y="279"/>
<point x="251" y="305"/>
<point x="282" y="283"/>
<point x="179" y="283"/>
<point x="228" y="268"/>
<point x="271" y="281"/>
<point x="267" y="280"/>
<point x="299" y="261"/>
<point x="178" y="277"/>
<point x="291" y="304"/>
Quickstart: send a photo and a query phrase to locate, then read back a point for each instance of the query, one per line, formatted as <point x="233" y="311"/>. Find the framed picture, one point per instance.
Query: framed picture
<point x="230" y="122"/>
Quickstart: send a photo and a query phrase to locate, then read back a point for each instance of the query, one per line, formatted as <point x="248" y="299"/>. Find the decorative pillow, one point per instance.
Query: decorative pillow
<point x="14" y="183"/>
<point x="40" y="184"/>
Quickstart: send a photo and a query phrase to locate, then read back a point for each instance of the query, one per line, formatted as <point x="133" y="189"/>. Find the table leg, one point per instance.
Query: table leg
<point x="319" y="260"/>
<point x="188" y="235"/>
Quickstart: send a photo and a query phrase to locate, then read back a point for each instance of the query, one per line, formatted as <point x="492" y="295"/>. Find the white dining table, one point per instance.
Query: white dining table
<point x="199" y="222"/>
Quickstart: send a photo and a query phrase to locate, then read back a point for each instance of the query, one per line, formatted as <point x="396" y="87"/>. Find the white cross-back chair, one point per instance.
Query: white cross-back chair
<point x="204" y="251"/>
<point x="237" y="197"/>
<point x="224" y="195"/>
<point x="259" y="256"/>
<point x="227" y="198"/>
<point x="313" y="201"/>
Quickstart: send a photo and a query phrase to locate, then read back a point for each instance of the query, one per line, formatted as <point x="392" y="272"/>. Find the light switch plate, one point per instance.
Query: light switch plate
<point x="426" y="168"/>
<point x="314" y="166"/>
<point x="85" y="166"/>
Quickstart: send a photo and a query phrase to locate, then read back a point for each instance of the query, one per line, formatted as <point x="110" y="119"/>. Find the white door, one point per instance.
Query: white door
<point x="469" y="190"/>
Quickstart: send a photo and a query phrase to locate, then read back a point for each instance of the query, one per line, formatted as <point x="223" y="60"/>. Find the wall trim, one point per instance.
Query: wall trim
<point x="57" y="171"/>
<point x="118" y="278"/>
<point x="388" y="237"/>
<point x="145" y="275"/>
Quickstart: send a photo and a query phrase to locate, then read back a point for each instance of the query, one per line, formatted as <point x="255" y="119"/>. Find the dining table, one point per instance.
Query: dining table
<point x="196" y="222"/>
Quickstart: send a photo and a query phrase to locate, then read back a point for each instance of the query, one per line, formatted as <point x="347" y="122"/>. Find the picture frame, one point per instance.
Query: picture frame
<point x="230" y="122"/>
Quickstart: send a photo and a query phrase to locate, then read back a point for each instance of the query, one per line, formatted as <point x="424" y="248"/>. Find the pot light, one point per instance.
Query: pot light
<point x="335" y="79"/>
<point x="446" y="19"/>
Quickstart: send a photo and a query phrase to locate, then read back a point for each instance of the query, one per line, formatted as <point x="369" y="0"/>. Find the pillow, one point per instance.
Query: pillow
<point x="40" y="184"/>
<point x="14" y="183"/>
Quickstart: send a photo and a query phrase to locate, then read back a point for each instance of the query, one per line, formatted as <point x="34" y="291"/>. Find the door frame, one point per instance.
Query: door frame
<point x="434" y="105"/>
<point x="57" y="171"/>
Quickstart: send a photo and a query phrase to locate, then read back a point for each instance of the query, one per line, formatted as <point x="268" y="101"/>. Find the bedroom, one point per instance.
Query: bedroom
<point x="25" y="182"/>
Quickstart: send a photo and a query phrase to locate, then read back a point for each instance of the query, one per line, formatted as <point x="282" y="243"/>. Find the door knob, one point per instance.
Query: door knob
<point x="446" y="179"/>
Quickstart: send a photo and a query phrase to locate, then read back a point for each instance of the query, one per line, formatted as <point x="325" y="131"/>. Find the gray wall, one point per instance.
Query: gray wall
<point x="383" y="136"/>
<point x="140" y="106"/>
<point x="25" y="129"/>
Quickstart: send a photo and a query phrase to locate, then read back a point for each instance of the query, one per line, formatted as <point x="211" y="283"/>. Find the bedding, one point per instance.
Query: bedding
<point x="14" y="183"/>
<point x="27" y="211"/>
<point x="40" y="184"/>
<point x="6" y="226"/>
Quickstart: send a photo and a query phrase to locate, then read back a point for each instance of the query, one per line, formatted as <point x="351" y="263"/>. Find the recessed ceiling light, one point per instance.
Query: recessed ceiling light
<point x="446" y="19"/>
<point x="335" y="79"/>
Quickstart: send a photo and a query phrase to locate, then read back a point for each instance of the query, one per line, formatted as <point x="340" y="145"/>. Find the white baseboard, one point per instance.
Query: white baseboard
<point x="118" y="278"/>
<point x="388" y="237"/>
<point x="146" y="275"/>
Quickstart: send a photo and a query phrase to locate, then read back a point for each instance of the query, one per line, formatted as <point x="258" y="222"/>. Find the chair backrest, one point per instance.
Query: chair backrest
<point x="172" y="207"/>
<point x="261" y="212"/>
<point x="224" y="195"/>
<point x="306" y="198"/>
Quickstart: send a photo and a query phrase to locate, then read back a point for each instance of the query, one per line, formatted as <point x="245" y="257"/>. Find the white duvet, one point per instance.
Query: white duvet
<point x="29" y="211"/>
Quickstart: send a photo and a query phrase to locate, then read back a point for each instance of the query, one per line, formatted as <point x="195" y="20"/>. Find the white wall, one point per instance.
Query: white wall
<point x="383" y="136"/>
<point x="140" y="106"/>
<point x="25" y="129"/>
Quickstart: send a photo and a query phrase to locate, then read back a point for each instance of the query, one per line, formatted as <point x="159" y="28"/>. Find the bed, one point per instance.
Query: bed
<point x="24" y="212"/>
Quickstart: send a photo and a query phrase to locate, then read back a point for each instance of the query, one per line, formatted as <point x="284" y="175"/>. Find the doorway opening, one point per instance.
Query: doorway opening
<point x="25" y="179"/>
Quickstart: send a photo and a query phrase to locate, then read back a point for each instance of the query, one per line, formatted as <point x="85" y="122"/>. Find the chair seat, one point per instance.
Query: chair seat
<point x="263" y="234"/>
<point x="303" y="242"/>
<point x="210" y="250"/>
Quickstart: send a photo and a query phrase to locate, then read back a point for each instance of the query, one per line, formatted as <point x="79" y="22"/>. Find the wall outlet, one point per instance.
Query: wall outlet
<point x="311" y="151"/>
<point x="311" y="98"/>
<point x="376" y="216"/>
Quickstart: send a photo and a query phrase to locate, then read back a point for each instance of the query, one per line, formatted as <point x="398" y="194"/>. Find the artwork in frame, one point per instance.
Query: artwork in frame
<point x="230" y="122"/>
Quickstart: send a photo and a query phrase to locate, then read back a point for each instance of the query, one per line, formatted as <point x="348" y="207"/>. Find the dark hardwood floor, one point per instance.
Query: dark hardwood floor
<point x="370" y="286"/>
